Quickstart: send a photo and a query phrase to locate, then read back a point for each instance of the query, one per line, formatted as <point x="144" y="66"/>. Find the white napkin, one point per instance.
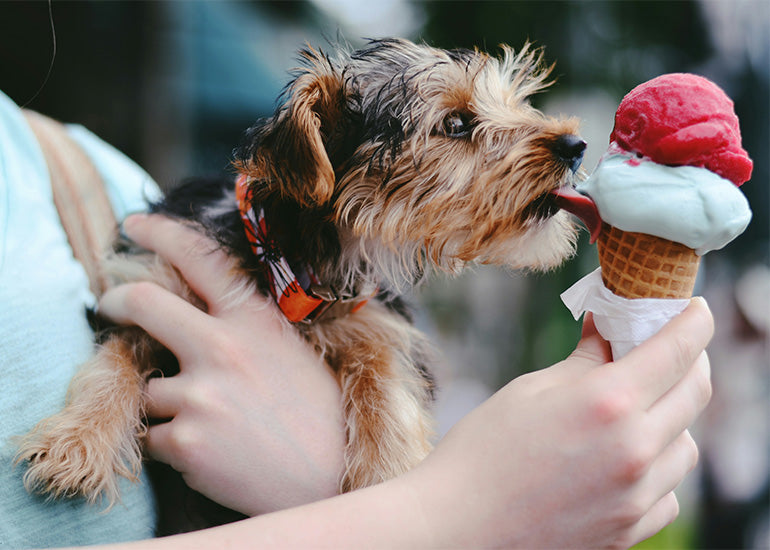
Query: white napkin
<point x="625" y="323"/>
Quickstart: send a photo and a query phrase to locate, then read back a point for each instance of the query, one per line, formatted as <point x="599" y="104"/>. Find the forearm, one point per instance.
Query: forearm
<point x="388" y="515"/>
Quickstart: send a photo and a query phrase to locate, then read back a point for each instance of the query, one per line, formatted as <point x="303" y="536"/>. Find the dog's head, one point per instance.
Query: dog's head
<point x="422" y="156"/>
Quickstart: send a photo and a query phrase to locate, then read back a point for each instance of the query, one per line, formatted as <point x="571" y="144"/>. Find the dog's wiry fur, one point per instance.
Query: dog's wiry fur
<point x="380" y="165"/>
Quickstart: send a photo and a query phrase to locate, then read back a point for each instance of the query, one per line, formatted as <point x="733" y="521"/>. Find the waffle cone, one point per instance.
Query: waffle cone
<point x="637" y="265"/>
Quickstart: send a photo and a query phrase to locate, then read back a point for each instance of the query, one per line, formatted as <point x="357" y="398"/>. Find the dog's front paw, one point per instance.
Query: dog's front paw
<point x="67" y="456"/>
<point x="84" y="449"/>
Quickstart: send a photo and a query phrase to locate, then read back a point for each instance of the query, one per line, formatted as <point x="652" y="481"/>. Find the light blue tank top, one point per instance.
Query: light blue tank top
<point x="44" y="335"/>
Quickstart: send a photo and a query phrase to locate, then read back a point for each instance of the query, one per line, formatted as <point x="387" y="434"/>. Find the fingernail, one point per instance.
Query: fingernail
<point x="700" y="300"/>
<point x="129" y="223"/>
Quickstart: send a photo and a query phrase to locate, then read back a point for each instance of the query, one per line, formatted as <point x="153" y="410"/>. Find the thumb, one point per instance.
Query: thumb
<point x="591" y="345"/>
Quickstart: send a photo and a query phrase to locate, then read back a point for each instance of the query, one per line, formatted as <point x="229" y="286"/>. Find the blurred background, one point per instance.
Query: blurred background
<point x="173" y="84"/>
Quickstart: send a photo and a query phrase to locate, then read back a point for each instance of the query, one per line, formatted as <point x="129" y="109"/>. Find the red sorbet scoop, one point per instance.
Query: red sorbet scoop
<point x="683" y="119"/>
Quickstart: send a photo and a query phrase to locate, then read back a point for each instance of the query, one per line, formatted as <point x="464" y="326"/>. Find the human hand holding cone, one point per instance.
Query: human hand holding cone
<point x="666" y="192"/>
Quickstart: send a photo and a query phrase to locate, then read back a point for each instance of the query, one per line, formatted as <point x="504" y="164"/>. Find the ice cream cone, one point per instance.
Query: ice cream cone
<point x="637" y="265"/>
<point x="673" y="168"/>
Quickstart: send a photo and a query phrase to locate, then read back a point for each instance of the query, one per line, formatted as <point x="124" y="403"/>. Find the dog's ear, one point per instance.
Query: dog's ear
<point x="290" y="151"/>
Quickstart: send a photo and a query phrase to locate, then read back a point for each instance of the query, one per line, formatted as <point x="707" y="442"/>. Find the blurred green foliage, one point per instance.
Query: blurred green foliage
<point x="680" y="535"/>
<point x="615" y="44"/>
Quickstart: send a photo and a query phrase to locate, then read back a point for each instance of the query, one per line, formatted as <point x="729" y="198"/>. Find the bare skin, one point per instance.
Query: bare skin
<point x="586" y="453"/>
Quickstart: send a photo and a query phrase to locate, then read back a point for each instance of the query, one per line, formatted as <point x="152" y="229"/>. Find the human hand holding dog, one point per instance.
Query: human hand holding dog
<point x="254" y="416"/>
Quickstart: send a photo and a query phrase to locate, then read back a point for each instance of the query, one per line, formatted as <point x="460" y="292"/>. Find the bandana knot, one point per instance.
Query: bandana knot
<point x="300" y="295"/>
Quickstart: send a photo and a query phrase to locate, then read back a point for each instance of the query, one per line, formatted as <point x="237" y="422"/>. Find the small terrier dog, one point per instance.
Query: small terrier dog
<point x="379" y="166"/>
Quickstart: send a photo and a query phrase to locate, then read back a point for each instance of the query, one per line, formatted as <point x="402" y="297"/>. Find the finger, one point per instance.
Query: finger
<point x="681" y="405"/>
<point x="591" y="342"/>
<point x="164" y="315"/>
<point x="589" y="327"/>
<point x="162" y="443"/>
<point x="662" y="513"/>
<point x="656" y="365"/>
<point x="205" y="267"/>
<point x="592" y="350"/>
<point x="163" y="398"/>
<point x="669" y="469"/>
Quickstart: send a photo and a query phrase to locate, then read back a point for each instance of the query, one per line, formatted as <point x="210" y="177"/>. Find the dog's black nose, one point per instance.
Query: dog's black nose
<point x="569" y="149"/>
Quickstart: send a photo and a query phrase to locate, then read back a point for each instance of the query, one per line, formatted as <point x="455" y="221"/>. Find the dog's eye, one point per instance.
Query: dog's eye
<point x="456" y="125"/>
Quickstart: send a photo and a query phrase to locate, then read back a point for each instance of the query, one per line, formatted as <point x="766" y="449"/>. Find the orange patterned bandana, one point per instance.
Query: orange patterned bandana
<point x="300" y="295"/>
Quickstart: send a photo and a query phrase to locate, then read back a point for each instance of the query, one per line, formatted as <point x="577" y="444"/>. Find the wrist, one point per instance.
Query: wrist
<point x="388" y="515"/>
<point x="417" y="512"/>
<point x="429" y="500"/>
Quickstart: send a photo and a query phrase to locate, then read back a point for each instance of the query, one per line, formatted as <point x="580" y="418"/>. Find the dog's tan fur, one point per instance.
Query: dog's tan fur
<point x="425" y="200"/>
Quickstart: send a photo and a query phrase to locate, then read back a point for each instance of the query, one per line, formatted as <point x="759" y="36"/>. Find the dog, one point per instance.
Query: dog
<point x="380" y="166"/>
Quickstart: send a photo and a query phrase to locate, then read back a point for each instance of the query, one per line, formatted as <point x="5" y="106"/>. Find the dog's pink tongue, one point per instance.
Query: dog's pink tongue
<point x="582" y="206"/>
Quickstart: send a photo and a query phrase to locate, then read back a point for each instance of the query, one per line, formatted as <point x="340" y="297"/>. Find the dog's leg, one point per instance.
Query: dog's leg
<point x="387" y="425"/>
<point x="96" y="438"/>
<point x="386" y="395"/>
